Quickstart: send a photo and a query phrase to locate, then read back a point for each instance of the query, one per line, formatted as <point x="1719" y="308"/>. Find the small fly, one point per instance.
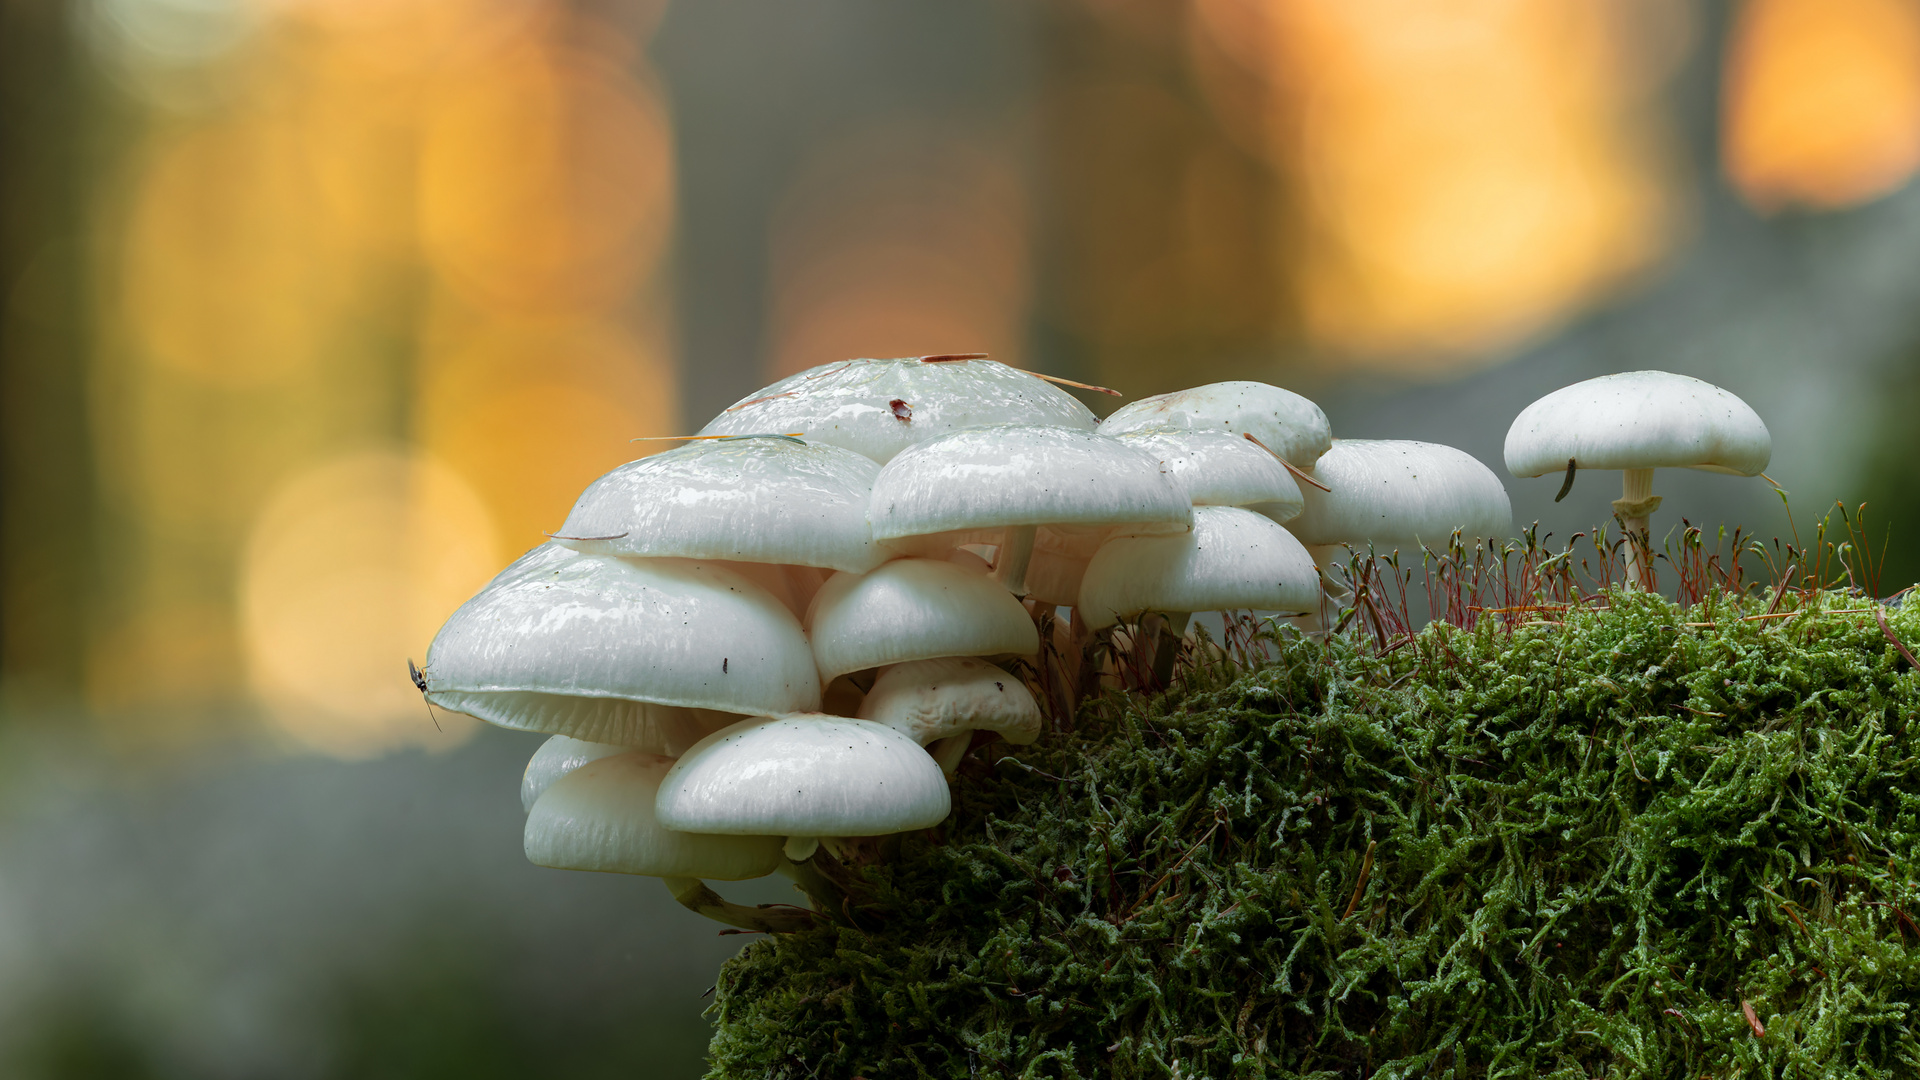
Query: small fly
<point x="420" y="684"/>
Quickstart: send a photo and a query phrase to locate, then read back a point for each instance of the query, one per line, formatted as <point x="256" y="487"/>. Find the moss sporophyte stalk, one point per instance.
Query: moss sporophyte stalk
<point x="1636" y="839"/>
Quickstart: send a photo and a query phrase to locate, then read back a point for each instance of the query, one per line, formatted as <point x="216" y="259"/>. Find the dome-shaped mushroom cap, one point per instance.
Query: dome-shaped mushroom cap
<point x="557" y="635"/>
<point x="600" y="816"/>
<point x="1639" y="420"/>
<point x="1287" y="423"/>
<point x="1233" y="559"/>
<point x="1395" y="493"/>
<point x="1219" y="468"/>
<point x="1010" y="475"/>
<point x="851" y="403"/>
<point x="559" y="756"/>
<point x="928" y="700"/>
<point x="804" y="775"/>
<point x="914" y="609"/>
<point x="768" y="499"/>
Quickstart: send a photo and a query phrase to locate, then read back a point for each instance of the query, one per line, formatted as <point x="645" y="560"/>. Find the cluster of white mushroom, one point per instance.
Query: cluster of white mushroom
<point x="790" y="629"/>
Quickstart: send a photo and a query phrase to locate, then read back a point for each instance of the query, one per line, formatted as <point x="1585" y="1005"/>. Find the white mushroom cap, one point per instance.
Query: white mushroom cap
<point x="960" y="485"/>
<point x="601" y="817"/>
<point x="1219" y="468"/>
<point x="914" y="609"/>
<point x="928" y="700"/>
<point x="567" y="644"/>
<point x="1287" y="423"/>
<point x="1394" y="493"/>
<point x="1233" y="559"/>
<point x="804" y="775"/>
<point x="759" y="499"/>
<point x="851" y="403"/>
<point x="556" y="758"/>
<point x="1639" y="420"/>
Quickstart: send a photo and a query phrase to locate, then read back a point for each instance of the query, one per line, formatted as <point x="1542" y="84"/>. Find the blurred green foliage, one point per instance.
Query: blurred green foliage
<point x="1584" y="849"/>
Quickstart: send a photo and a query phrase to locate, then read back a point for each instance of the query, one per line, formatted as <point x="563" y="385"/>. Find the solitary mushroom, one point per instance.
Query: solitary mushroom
<point x="1283" y="421"/>
<point x="881" y="407"/>
<point x="646" y="653"/>
<point x="999" y="484"/>
<point x="600" y="816"/>
<point x="1637" y="421"/>
<point x="804" y="777"/>
<point x="914" y="609"/>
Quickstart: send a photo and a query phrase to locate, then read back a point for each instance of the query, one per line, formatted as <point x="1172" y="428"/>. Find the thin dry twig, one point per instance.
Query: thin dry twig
<point x="1297" y="474"/>
<point x="1359" y="887"/>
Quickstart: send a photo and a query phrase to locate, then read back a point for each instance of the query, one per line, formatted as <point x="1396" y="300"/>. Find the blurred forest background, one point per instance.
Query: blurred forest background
<point x="313" y="313"/>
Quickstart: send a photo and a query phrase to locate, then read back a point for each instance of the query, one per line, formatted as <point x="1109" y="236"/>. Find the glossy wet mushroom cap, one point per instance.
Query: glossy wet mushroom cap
<point x="1285" y="422"/>
<point x="970" y="483"/>
<point x="914" y="609"/>
<point x="1234" y="559"/>
<point x="1219" y="468"/>
<point x="634" y="652"/>
<point x="804" y="775"/>
<point x="556" y="758"/>
<point x="880" y="407"/>
<point x="601" y="816"/>
<point x="755" y="499"/>
<point x="1639" y="420"/>
<point x="1395" y="493"/>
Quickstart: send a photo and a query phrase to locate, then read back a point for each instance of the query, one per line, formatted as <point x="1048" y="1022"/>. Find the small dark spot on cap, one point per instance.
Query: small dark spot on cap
<point x="723" y="665"/>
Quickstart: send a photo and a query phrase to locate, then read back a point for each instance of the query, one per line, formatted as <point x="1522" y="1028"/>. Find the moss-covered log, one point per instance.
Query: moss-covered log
<point x="1621" y="844"/>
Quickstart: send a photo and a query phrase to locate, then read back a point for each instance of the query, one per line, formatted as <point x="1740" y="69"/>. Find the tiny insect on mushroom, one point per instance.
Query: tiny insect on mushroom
<point x="1000" y="484"/>
<point x="804" y="776"/>
<point x="621" y="651"/>
<point x="1637" y="421"/>
<point x="600" y="816"/>
<point x="850" y="403"/>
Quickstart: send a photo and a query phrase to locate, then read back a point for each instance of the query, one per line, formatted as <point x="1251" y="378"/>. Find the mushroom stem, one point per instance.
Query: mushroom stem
<point x="1170" y="631"/>
<point x="1010" y="562"/>
<point x="800" y="848"/>
<point x="1636" y="504"/>
<point x="694" y="895"/>
<point x="950" y="750"/>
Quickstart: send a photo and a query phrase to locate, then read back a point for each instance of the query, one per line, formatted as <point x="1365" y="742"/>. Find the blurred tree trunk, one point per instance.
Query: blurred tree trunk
<point x="1163" y="226"/>
<point x="45" y="480"/>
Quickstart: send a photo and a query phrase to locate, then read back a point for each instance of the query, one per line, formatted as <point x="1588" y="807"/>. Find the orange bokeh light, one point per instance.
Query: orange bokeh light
<point x="1472" y="171"/>
<point x="546" y="179"/>
<point x="888" y="246"/>
<point x="1822" y="100"/>
<point x="533" y="411"/>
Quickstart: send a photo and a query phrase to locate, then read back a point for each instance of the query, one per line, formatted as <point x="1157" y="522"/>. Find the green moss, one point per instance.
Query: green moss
<point x="1573" y="850"/>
